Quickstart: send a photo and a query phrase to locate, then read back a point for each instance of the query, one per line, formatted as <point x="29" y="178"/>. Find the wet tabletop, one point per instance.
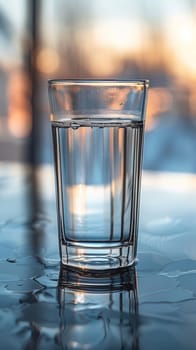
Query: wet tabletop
<point x="150" y="307"/>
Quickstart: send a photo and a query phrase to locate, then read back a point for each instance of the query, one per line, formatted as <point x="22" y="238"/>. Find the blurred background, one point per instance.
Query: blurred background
<point x="119" y="39"/>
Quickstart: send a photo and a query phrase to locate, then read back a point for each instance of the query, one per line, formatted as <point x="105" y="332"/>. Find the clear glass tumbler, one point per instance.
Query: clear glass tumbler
<point x="97" y="130"/>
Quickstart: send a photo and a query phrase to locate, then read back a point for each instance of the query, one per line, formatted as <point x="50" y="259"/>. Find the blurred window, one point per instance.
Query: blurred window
<point x="101" y="39"/>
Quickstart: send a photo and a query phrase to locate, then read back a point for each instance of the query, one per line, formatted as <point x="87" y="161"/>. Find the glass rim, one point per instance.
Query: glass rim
<point x="99" y="82"/>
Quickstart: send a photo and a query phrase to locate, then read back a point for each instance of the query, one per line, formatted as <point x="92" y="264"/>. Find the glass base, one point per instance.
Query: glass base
<point x="120" y="280"/>
<point x="97" y="259"/>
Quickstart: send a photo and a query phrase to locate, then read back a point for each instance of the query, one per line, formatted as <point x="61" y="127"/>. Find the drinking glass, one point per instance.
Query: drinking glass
<point x="97" y="131"/>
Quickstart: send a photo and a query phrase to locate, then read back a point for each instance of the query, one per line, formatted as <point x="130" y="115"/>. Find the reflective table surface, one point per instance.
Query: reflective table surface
<point x="151" y="306"/>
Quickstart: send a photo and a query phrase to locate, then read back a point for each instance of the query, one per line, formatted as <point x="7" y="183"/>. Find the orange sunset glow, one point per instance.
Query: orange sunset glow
<point x="143" y="40"/>
<point x="115" y="41"/>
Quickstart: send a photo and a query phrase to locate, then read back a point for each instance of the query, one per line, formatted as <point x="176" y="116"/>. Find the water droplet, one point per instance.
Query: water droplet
<point x="47" y="295"/>
<point x="20" y="283"/>
<point x="47" y="280"/>
<point x="11" y="260"/>
<point x="23" y="286"/>
<point x="74" y="126"/>
<point x="53" y="276"/>
<point x="48" y="263"/>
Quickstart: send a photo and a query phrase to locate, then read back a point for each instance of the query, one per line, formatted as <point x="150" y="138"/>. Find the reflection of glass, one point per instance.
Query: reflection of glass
<point x="98" y="312"/>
